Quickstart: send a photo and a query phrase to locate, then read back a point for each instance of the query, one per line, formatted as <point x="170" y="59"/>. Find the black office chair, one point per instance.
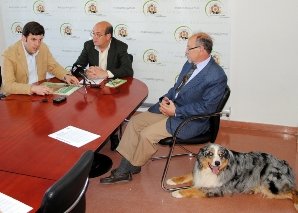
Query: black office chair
<point x="209" y="136"/>
<point x="68" y="193"/>
<point x="130" y="57"/>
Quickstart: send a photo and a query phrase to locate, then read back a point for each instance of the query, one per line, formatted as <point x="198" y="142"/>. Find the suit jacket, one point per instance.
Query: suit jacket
<point x="201" y="95"/>
<point x="15" y="70"/>
<point x="118" y="61"/>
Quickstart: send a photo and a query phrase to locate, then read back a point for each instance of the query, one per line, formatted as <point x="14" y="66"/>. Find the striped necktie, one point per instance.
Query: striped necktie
<point x="186" y="77"/>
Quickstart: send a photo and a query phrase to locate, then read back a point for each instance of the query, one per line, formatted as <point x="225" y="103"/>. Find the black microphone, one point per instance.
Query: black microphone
<point x="77" y="70"/>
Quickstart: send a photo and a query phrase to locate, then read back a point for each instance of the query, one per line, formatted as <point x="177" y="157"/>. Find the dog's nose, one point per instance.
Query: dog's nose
<point x="217" y="163"/>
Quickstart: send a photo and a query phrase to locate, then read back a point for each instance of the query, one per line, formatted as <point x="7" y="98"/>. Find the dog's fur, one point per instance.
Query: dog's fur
<point x="219" y="171"/>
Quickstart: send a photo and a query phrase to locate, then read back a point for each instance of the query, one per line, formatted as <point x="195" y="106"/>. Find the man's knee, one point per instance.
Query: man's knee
<point x="147" y="135"/>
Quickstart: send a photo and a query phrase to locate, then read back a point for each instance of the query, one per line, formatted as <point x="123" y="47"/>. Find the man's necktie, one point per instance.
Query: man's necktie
<point x="186" y="77"/>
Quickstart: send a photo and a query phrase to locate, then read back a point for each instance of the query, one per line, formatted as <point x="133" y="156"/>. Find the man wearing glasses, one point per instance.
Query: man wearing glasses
<point x="106" y="56"/>
<point x="198" y="90"/>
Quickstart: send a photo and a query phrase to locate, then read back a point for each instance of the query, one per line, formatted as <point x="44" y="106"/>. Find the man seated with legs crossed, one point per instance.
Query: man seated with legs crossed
<point x="198" y="90"/>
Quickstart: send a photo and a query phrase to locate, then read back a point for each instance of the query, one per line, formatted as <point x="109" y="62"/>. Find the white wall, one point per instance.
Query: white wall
<point x="263" y="68"/>
<point x="264" y="55"/>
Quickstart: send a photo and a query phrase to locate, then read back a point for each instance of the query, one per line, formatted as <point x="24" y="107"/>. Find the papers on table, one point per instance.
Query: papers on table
<point x="115" y="82"/>
<point x="62" y="88"/>
<point x="11" y="205"/>
<point x="74" y="136"/>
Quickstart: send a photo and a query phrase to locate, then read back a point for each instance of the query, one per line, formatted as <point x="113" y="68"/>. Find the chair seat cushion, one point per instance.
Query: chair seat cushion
<point x="204" y="138"/>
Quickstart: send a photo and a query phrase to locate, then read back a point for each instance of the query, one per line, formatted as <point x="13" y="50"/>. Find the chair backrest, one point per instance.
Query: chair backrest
<point x="130" y="57"/>
<point x="68" y="193"/>
<point x="215" y="120"/>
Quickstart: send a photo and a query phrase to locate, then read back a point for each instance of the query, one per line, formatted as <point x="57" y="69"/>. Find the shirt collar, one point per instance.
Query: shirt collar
<point x="202" y="64"/>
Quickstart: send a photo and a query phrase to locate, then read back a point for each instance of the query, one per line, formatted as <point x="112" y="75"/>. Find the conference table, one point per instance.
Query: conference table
<point x="28" y="153"/>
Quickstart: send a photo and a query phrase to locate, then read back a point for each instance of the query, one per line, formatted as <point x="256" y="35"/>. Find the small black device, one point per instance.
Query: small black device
<point x="59" y="99"/>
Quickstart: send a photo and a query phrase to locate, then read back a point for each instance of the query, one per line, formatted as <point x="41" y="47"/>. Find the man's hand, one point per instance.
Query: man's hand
<point x="96" y="72"/>
<point x="41" y="90"/>
<point x="167" y="107"/>
<point x="70" y="79"/>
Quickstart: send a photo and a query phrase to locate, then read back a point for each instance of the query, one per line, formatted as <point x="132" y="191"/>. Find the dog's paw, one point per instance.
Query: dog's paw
<point x="171" y="182"/>
<point x="176" y="194"/>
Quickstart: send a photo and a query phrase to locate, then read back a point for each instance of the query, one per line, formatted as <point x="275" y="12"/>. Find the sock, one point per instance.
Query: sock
<point x="125" y="167"/>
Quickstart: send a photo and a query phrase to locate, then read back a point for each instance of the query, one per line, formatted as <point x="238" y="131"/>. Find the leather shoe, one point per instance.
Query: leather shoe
<point x="116" y="178"/>
<point x="137" y="170"/>
<point x="114" y="142"/>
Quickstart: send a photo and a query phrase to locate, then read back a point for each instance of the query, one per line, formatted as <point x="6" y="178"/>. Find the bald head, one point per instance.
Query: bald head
<point x="102" y="34"/>
<point x="199" y="47"/>
<point x="104" y="25"/>
<point x="205" y="40"/>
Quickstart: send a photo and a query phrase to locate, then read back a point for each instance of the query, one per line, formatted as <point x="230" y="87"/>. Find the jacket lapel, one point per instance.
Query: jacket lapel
<point x="22" y="59"/>
<point x="94" y="56"/>
<point x="111" y="54"/>
<point x="197" y="79"/>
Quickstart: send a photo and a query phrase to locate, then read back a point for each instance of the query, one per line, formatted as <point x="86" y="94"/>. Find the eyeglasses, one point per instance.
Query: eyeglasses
<point x="97" y="35"/>
<point x="188" y="49"/>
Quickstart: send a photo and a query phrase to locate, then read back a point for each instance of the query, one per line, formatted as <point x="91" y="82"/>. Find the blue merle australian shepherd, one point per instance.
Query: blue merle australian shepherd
<point x="219" y="171"/>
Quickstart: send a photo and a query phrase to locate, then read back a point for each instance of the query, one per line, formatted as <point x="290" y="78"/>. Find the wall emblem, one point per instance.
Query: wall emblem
<point x="150" y="56"/>
<point x="182" y="33"/>
<point x="66" y="29"/>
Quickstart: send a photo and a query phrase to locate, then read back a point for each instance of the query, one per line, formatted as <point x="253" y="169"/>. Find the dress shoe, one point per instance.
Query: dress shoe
<point x="134" y="171"/>
<point x="114" y="142"/>
<point x="116" y="178"/>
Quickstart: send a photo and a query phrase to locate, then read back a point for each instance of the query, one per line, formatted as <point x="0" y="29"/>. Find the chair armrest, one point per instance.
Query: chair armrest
<point x="192" y="118"/>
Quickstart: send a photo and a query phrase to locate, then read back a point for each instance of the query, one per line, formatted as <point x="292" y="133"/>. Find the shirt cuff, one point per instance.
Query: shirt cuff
<point x="110" y="74"/>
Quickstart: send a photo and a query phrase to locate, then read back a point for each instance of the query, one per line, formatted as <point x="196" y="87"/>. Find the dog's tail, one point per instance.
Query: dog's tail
<point x="295" y="199"/>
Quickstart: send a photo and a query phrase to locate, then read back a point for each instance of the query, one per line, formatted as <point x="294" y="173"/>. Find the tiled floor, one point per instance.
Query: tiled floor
<point x="144" y="193"/>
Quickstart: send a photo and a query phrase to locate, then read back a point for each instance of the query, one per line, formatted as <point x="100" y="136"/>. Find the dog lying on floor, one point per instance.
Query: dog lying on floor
<point x="219" y="171"/>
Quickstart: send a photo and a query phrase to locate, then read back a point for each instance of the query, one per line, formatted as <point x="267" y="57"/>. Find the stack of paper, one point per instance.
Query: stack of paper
<point x="74" y="136"/>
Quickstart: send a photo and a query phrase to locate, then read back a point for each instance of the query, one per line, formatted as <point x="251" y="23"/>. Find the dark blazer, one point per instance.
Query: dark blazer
<point x="201" y="95"/>
<point x="118" y="62"/>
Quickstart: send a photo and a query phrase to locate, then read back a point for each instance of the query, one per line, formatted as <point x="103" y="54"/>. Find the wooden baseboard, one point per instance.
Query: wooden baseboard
<point x="260" y="127"/>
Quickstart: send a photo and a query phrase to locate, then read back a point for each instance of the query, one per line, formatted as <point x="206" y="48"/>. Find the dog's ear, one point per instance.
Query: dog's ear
<point x="224" y="152"/>
<point x="203" y="151"/>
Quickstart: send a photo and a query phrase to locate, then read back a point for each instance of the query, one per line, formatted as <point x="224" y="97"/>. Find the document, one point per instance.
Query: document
<point x="11" y="205"/>
<point x="62" y="88"/>
<point x="74" y="136"/>
<point x="115" y="82"/>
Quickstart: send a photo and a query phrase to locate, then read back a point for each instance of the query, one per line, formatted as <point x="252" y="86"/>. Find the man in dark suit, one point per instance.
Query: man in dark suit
<point x="106" y="57"/>
<point x="198" y="90"/>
